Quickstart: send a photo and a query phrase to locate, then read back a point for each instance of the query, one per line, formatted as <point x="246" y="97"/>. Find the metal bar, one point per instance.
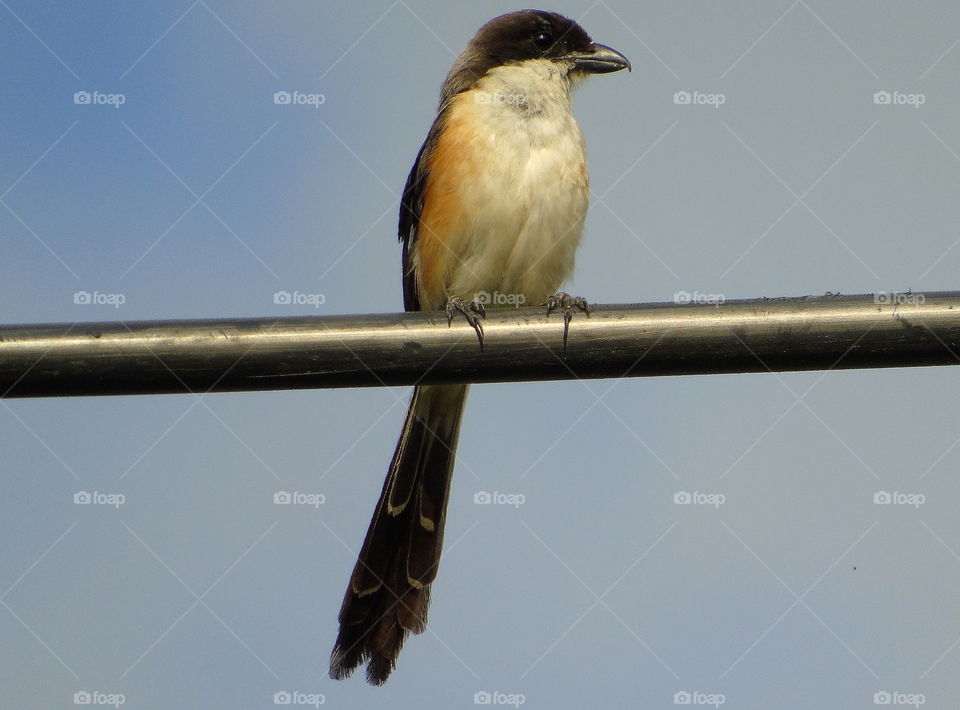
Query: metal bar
<point x="761" y="335"/>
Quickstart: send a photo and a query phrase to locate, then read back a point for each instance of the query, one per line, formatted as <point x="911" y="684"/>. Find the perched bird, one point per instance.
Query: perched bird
<point x="495" y="202"/>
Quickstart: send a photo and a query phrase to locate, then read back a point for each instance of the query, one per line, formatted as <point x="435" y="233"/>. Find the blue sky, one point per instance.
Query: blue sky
<point x="787" y="173"/>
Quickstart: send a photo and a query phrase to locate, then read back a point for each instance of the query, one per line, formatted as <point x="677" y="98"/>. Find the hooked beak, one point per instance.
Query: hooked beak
<point x="601" y="59"/>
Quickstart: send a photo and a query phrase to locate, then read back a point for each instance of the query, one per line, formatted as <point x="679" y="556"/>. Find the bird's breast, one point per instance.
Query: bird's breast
<point x="507" y="194"/>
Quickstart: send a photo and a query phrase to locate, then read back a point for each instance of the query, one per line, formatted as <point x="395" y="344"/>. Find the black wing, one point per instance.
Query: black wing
<point x="411" y="206"/>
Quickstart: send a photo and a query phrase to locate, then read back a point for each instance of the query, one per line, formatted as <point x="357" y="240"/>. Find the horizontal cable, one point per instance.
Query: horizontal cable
<point x="245" y="354"/>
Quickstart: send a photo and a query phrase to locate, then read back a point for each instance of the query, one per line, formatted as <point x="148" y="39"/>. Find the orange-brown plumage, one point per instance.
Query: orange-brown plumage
<point x="450" y="167"/>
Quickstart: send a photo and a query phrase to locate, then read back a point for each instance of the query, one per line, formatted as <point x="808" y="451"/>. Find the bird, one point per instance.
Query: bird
<point x="495" y="203"/>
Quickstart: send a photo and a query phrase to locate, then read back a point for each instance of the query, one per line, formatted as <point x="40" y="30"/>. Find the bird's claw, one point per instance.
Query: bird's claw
<point x="470" y="310"/>
<point x="567" y="303"/>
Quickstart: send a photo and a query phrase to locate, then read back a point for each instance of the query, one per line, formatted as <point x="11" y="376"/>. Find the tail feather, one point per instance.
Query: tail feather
<point x="389" y="593"/>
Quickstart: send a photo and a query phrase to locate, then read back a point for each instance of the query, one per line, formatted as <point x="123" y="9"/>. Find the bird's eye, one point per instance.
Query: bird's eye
<point x="543" y="40"/>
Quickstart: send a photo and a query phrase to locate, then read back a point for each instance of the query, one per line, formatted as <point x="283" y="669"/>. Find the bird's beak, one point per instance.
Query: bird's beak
<point x="601" y="59"/>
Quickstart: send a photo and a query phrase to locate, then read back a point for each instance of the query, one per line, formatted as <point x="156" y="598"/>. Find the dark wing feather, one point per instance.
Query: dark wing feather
<point x="411" y="207"/>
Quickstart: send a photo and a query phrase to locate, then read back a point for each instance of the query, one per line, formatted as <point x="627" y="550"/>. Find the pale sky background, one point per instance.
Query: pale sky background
<point x="199" y="197"/>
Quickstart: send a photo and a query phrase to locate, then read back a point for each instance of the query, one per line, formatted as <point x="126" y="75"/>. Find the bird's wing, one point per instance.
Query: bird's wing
<point x="411" y="208"/>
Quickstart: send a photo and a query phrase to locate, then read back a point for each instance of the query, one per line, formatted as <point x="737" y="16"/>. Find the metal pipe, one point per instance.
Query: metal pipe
<point x="759" y="335"/>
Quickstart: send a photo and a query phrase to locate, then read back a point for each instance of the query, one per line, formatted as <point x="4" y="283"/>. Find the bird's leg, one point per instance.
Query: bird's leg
<point x="470" y="310"/>
<point x="567" y="303"/>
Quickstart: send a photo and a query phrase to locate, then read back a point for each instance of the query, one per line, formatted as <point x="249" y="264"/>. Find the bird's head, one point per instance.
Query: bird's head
<point x="532" y="35"/>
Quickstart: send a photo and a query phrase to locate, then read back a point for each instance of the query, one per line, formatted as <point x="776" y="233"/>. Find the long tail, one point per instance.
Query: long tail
<point x="389" y="590"/>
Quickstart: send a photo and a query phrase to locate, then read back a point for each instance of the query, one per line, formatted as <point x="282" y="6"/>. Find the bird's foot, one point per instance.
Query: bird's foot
<point x="566" y="303"/>
<point x="470" y="310"/>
